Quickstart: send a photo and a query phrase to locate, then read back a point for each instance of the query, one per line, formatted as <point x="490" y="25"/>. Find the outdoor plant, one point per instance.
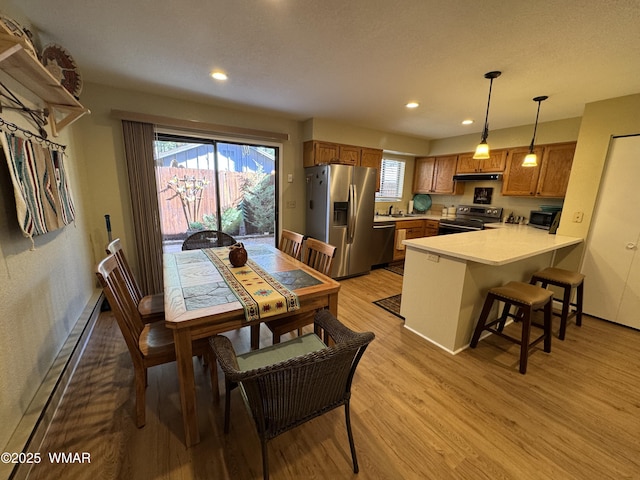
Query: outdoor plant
<point x="258" y="202"/>
<point x="189" y="190"/>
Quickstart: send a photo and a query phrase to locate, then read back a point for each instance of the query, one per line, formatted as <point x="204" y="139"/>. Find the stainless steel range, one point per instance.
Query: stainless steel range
<point x="469" y="218"/>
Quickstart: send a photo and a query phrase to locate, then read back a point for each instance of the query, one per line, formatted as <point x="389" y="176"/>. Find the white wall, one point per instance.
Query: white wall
<point x="42" y="291"/>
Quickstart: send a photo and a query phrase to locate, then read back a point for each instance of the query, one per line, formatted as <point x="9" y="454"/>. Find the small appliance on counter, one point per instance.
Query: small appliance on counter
<point x="544" y="218"/>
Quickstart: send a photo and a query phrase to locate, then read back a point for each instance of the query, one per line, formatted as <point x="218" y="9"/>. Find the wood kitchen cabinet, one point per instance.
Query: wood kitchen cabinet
<point x="413" y="229"/>
<point x="435" y="175"/>
<point x="431" y="228"/>
<point x="548" y="179"/>
<point x="494" y="164"/>
<point x="321" y="153"/>
<point x="372" y="157"/>
<point x="555" y="170"/>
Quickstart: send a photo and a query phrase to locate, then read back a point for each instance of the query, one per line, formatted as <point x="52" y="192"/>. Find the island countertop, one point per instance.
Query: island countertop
<point x="494" y="246"/>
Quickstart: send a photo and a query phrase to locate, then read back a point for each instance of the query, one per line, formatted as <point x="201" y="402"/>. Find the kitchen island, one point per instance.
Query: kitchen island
<point x="446" y="278"/>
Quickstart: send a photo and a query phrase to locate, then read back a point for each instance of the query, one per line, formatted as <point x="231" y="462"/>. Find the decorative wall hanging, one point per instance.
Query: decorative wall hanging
<point x="43" y="198"/>
<point x="62" y="66"/>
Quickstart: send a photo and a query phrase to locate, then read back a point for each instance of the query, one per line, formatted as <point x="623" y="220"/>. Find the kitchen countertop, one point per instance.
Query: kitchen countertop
<point x="495" y="246"/>
<point x="413" y="216"/>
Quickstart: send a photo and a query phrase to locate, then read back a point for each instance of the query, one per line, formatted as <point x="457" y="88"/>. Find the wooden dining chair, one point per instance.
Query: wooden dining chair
<point x="207" y="239"/>
<point x="319" y="256"/>
<point x="151" y="307"/>
<point x="291" y="243"/>
<point x="149" y="344"/>
<point x="288" y="384"/>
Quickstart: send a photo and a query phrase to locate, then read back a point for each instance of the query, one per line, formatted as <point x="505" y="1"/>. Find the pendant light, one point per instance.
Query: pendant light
<point x="482" y="150"/>
<point x="531" y="160"/>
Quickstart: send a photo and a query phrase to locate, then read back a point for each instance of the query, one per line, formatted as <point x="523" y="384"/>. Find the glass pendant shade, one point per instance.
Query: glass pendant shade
<point x="482" y="152"/>
<point x="531" y="160"/>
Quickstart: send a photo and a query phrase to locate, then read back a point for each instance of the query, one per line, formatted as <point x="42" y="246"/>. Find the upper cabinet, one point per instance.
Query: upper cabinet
<point x="321" y="153"/>
<point x="556" y="168"/>
<point x="372" y="157"/>
<point x="494" y="164"/>
<point x="24" y="68"/>
<point x="434" y="175"/>
<point x="549" y="179"/>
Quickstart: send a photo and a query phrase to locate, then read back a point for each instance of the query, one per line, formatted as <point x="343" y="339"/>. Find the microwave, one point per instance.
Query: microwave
<point x="545" y="220"/>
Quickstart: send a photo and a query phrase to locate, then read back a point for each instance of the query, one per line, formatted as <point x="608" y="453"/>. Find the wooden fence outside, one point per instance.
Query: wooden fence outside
<point x="172" y="215"/>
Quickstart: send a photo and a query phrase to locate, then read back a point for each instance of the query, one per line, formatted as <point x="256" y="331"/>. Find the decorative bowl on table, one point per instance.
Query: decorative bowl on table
<point x="237" y="255"/>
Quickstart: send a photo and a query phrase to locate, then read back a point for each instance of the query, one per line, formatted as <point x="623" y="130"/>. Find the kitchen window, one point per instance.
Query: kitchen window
<point x="391" y="180"/>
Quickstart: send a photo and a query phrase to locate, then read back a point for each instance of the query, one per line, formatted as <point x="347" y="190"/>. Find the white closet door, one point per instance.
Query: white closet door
<point x="616" y="226"/>
<point x="629" y="312"/>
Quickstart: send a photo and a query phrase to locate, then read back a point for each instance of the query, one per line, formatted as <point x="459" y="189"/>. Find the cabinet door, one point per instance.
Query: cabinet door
<point x="370" y="157"/>
<point x="349" y="155"/>
<point x="443" y="176"/>
<point x="466" y="163"/>
<point x="495" y="163"/>
<point x="519" y="180"/>
<point x="320" y="153"/>
<point x="423" y="174"/>
<point x="555" y="170"/>
<point x="431" y="228"/>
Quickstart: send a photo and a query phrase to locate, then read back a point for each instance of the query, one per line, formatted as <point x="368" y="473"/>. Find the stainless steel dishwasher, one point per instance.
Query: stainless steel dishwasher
<point x="382" y="242"/>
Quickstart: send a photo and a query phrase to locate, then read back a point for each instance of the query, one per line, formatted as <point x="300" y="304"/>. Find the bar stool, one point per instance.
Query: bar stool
<point x="526" y="298"/>
<point x="567" y="280"/>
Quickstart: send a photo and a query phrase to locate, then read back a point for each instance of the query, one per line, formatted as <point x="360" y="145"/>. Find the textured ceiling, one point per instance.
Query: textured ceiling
<point x="358" y="61"/>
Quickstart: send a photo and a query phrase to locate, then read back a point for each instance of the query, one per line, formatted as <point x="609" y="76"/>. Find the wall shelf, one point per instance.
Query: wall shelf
<point x="23" y="67"/>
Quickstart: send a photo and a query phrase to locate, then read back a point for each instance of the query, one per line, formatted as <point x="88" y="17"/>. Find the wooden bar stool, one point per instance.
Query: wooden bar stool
<point x="526" y="298"/>
<point x="567" y="280"/>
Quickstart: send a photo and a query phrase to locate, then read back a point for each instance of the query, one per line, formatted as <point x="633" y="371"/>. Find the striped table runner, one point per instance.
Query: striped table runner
<point x="260" y="294"/>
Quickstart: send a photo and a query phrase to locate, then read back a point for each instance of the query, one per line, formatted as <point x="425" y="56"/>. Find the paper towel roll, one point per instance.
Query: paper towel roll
<point x="410" y="206"/>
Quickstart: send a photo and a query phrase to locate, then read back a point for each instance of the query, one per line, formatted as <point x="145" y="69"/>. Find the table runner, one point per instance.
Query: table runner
<point x="261" y="294"/>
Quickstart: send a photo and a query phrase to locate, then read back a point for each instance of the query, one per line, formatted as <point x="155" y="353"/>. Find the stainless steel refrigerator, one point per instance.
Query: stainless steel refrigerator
<point x="340" y="208"/>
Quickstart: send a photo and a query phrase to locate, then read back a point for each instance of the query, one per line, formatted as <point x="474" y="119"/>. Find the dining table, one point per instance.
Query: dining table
<point x="203" y="299"/>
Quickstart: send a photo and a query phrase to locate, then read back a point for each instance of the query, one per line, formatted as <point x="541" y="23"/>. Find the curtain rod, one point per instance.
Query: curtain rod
<point x="196" y="126"/>
<point x="13" y="128"/>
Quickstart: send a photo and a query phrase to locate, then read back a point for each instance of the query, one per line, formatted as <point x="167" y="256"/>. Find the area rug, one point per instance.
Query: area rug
<point x="391" y="304"/>
<point x="396" y="268"/>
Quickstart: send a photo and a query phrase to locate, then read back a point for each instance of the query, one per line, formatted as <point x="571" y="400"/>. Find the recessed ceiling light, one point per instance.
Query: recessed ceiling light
<point x="219" y="75"/>
<point x="467" y="122"/>
<point x="412" y="105"/>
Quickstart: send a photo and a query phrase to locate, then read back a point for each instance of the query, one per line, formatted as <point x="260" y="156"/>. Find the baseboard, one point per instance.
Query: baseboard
<point x="33" y="426"/>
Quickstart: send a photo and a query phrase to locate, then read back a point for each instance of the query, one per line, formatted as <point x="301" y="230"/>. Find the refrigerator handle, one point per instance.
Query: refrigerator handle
<point x="353" y="202"/>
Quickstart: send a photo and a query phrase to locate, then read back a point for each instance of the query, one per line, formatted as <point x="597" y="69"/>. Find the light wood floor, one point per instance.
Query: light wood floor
<point x="417" y="411"/>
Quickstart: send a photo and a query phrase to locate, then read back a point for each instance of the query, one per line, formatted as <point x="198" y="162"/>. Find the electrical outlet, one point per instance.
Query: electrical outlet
<point x="433" y="258"/>
<point x="291" y="204"/>
<point x="577" y="217"/>
<point x="290" y="177"/>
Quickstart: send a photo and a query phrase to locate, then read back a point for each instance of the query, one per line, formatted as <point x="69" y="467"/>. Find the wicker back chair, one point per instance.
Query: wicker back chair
<point x="291" y="243"/>
<point x="207" y="239"/>
<point x="149" y="344"/>
<point x="291" y="390"/>
<point x="151" y="307"/>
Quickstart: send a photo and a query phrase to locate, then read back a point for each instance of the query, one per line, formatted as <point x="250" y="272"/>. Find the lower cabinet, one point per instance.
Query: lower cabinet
<point x="407" y="229"/>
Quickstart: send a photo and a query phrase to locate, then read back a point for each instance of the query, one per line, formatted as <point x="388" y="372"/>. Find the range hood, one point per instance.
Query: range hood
<point x="476" y="177"/>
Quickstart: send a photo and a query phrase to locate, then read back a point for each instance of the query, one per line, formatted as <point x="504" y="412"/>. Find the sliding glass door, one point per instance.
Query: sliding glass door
<point x="208" y="184"/>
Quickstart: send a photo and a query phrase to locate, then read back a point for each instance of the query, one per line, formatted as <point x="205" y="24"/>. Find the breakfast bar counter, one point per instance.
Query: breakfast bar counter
<point x="447" y="277"/>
